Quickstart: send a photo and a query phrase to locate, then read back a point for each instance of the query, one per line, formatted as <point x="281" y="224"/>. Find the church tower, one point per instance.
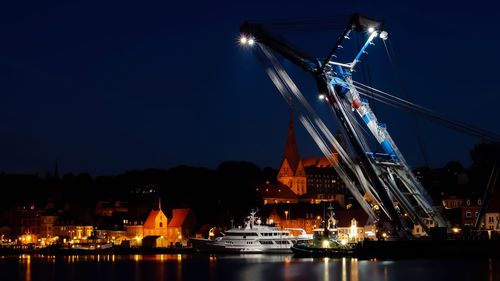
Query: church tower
<point x="291" y="172"/>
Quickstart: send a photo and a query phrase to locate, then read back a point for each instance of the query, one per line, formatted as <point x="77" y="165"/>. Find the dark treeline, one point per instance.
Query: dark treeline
<point x="216" y="195"/>
<point x="455" y="179"/>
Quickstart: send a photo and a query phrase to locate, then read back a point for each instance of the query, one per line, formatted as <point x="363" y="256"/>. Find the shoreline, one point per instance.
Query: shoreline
<point x="111" y="251"/>
<point x="366" y="250"/>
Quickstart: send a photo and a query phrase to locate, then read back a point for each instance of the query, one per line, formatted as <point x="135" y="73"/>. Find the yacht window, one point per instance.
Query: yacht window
<point x="241" y="234"/>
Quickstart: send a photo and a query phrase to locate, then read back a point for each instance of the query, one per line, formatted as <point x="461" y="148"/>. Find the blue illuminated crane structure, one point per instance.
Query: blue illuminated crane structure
<point x="382" y="183"/>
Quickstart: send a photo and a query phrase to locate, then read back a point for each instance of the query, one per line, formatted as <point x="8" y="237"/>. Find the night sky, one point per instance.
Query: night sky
<point x="106" y="87"/>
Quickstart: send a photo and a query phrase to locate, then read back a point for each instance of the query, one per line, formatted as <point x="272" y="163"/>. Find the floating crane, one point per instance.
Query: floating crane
<point x="382" y="183"/>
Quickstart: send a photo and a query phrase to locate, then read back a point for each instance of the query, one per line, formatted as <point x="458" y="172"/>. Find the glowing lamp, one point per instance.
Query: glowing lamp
<point x="371" y="29"/>
<point x="243" y="40"/>
<point x="251" y="41"/>
<point x="325" y="244"/>
<point x="384" y="35"/>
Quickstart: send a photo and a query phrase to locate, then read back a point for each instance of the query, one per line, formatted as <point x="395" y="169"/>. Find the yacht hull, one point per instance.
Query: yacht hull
<point x="214" y="246"/>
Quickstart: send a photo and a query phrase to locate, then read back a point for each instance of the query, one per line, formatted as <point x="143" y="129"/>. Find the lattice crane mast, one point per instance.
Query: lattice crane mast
<point x="382" y="183"/>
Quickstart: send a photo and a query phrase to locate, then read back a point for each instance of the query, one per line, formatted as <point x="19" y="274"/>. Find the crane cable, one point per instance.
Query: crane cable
<point x="314" y="125"/>
<point x="414" y="121"/>
<point x="424" y="112"/>
<point x="460" y="126"/>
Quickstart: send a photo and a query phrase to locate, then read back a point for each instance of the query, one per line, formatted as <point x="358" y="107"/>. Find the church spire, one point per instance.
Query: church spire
<point x="291" y="150"/>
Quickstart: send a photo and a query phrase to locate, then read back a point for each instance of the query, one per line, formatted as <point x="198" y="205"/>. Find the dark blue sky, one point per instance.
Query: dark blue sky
<point x="106" y="87"/>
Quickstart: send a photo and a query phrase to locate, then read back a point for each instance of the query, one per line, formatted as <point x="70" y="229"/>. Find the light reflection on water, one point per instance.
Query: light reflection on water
<point x="240" y="267"/>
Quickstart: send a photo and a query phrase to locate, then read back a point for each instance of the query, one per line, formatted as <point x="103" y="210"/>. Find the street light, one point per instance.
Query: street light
<point x="286" y="216"/>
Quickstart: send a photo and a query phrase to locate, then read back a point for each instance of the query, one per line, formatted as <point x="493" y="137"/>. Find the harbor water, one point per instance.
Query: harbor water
<point x="241" y="267"/>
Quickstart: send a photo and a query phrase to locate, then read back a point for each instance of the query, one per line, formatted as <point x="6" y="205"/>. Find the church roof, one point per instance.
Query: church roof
<point x="150" y="221"/>
<point x="318" y="162"/>
<point x="276" y="191"/>
<point x="179" y="216"/>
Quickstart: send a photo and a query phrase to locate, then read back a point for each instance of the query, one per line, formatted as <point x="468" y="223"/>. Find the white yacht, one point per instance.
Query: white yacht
<point x="254" y="237"/>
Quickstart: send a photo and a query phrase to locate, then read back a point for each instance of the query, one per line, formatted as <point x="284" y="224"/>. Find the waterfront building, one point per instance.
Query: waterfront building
<point x="176" y="230"/>
<point x="156" y="224"/>
<point x="154" y="241"/>
<point x="180" y="226"/>
<point x="291" y="172"/>
<point x="492" y="215"/>
<point x="72" y="229"/>
<point x="276" y="194"/>
<point x="470" y="210"/>
<point x="311" y="180"/>
<point x="304" y="186"/>
<point x="72" y="224"/>
<point x="25" y="219"/>
<point x="452" y="202"/>
<point x="134" y="230"/>
<point x="47" y="223"/>
<point x="298" y="215"/>
<point x="353" y="225"/>
<point x="418" y="230"/>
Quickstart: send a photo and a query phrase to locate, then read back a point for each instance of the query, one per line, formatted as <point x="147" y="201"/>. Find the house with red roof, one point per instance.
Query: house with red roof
<point x="180" y="226"/>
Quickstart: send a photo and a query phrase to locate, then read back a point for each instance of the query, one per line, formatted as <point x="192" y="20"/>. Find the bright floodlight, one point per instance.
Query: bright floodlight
<point x="321" y="97"/>
<point x="251" y="41"/>
<point x="371" y="29"/>
<point x="384" y="35"/>
<point x="243" y="40"/>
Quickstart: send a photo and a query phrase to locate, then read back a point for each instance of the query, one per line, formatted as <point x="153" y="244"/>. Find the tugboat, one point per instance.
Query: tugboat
<point x="325" y="241"/>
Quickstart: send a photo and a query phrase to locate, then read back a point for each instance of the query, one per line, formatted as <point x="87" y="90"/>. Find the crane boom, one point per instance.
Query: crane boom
<point x="383" y="183"/>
